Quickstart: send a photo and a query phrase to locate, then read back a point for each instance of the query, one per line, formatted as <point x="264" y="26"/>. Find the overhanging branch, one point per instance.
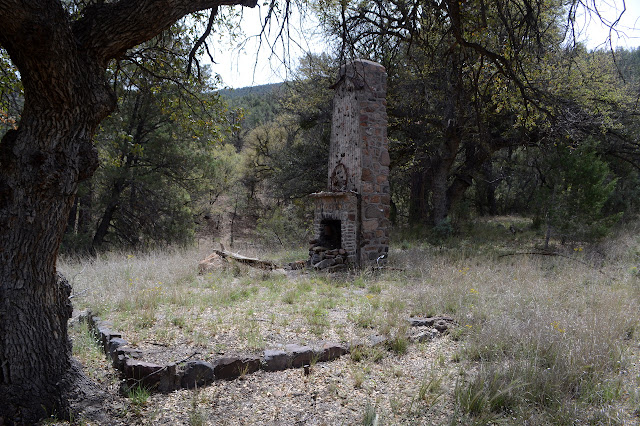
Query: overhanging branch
<point x="201" y="40"/>
<point x="108" y="30"/>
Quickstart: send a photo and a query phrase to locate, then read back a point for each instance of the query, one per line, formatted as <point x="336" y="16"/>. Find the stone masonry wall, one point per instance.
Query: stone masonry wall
<point x="359" y="157"/>
<point x="342" y="206"/>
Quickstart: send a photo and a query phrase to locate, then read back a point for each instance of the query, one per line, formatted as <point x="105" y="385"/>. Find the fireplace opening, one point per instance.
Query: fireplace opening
<point x="330" y="234"/>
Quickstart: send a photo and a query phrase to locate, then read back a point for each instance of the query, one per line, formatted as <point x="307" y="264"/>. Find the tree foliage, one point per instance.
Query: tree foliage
<point x="10" y="93"/>
<point x="575" y="186"/>
<point x="469" y="80"/>
<point x="158" y="153"/>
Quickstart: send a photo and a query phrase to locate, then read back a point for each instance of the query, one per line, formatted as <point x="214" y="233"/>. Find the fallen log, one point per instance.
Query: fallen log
<point x="225" y="255"/>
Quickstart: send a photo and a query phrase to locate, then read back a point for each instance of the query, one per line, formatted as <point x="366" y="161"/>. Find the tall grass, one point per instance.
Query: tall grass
<point x="541" y="339"/>
<point x="546" y="337"/>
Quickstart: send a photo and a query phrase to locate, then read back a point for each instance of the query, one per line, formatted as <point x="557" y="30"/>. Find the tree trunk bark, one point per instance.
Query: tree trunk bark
<point x="72" y="223"/>
<point x="418" y="207"/>
<point x="107" y="216"/>
<point x="85" y="211"/>
<point x="491" y="184"/>
<point x="41" y="164"/>
<point x="439" y="199"/>
<point x="440" y="169"/>
<point x="62" y="63"/>
<point x="38" y="188"/>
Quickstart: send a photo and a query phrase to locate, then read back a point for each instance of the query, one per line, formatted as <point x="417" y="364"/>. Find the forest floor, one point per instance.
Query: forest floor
<point x="539" y="339"/>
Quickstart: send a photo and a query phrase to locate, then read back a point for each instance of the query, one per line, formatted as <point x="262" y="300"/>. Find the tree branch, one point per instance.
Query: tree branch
<point x="108" y="30"/>
<point x="203" y="37"/>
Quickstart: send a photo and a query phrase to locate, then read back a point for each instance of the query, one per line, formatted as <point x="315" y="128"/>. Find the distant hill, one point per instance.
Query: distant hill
<point x="261" y="90"/>
<point x="261" y="104"/>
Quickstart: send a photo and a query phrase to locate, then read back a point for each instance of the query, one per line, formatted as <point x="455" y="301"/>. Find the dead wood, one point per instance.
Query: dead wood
<point x="256" y="263"/>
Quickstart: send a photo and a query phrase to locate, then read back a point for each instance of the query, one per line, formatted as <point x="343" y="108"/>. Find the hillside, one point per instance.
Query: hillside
<point x="260" y="90"/>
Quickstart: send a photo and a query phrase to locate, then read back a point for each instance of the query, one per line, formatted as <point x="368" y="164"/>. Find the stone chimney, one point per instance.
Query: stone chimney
<point x="351" y="219"/>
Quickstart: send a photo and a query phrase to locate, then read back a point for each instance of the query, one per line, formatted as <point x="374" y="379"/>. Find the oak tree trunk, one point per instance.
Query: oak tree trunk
<point x="39" y="179"/>
<point x="418" y="202"/>
<point x="41" y="164"/>
<point x="439" y="200"/>
<point x="62" y="63"/>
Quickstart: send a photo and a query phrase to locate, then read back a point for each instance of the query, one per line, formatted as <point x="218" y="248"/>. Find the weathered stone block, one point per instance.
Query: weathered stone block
<point x="330" y="351"/>
<point x="440" y="323"/>
<point x="367" y="175"/>
<point x="274" y="360"/>
<point x="300" y="355"/>
<point x="373" y="211"/>
<point x="94" y="321"/>
<point x="232" y="367"/>
<point x="121" y="354"/>
<point x="385" y="160"/>
<point x="142" y="373"/>
<point x="197" y="374"/>
<point x="424" y="336"/>
<point x="113" y="345"/>
<point x="324" y="264"/>
<point x="170" y="380"/>
<point x="104" y="334"/>
<point x="369" y="225"/>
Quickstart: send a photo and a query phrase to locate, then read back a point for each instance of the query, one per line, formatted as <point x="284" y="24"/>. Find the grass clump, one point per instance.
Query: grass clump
<point x="371" y="353"/>
<point x="371" y="416"/>
<point x="197" y="416"/>
<point x="85" y="344"/>
<point x="489" y="393"/>
<point x="431" y="389"/>
<point x="317" y="320"/>
<point x="398" y="344"/>
<point x="138" y="395"/>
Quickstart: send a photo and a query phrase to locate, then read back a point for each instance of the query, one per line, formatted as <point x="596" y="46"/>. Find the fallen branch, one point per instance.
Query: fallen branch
<point x="256" y="263"/>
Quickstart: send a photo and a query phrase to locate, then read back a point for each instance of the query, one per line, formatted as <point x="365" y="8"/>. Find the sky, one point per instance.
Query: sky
<point x="247" y="63"/>
<point x="252" y="64"/>
<point x="595" y="33"/>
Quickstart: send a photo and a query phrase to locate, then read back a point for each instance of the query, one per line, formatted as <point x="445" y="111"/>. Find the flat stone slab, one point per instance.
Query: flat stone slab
<point x="232" y="367"/>
<point x="424" y="336"/>
<point x="274" y="360"/>
<point x="197" y="374"/>
<point x="429" y="321"/>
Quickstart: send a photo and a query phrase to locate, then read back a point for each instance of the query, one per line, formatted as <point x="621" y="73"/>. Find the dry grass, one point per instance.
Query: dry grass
<point x="540" y="339"/>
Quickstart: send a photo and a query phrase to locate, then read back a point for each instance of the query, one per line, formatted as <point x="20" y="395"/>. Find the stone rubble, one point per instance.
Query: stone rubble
<point x="322" y="258"/>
